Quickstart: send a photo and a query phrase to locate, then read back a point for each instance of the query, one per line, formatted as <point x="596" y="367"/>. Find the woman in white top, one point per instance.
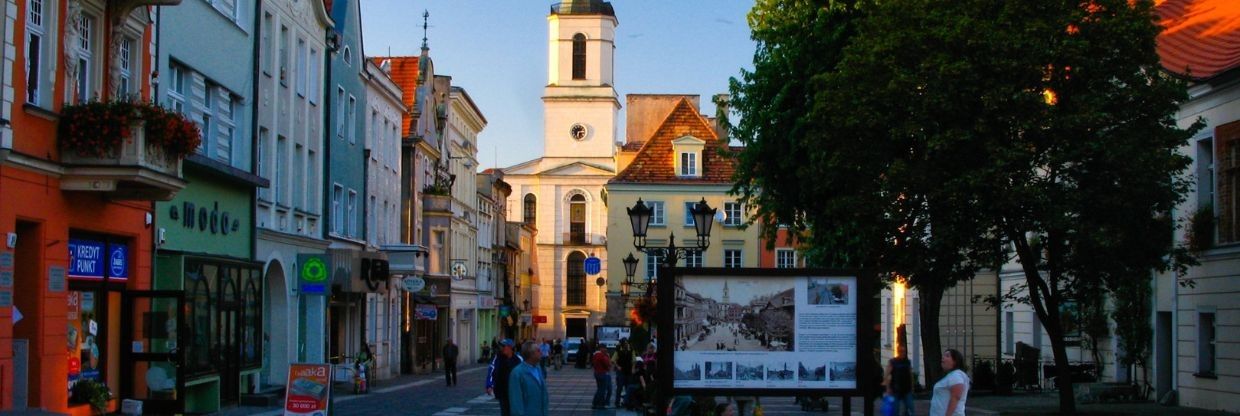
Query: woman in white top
<point x="952" y="390"/>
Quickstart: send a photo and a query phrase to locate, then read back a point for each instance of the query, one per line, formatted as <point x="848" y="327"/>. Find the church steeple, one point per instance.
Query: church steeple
<point x="580" y="101"/>
<point x="725" y="292"/>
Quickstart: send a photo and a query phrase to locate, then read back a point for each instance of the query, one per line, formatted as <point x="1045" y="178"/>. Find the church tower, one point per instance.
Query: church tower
<point x="580" y="103"/>
<point x="725" y="293"/>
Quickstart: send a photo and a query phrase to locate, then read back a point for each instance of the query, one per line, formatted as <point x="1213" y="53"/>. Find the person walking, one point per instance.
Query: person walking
<point x="623" y="360"/>
<point x="527" y="385"/>
<point x="951" y="392"/>
<point x="557" y="354"/>
<point x="602" y="365"/>
<point x="450" y="353"/>
<point x="497" y="376"/>
<point x="899" y="382"/>
<point x="544" y="349"/>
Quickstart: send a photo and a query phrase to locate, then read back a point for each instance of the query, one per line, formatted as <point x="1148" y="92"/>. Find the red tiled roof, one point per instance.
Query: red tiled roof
<point x="404" y="73"/>
<point x="1200" y="38"/>
<point x="655" y="161"/>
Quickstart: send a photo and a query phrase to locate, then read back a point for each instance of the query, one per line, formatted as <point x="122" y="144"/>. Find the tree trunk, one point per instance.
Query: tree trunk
<point x="1063" y="374"/>
<point x="931" y="347"/>
<point x="1046" y="308"/>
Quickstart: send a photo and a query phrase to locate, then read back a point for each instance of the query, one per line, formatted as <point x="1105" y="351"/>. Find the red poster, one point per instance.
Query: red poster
<point x="309" y="389"/>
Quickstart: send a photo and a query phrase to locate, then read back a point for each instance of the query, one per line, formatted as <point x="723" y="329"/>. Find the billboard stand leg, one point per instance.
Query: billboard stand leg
<point x="846" y="407"/>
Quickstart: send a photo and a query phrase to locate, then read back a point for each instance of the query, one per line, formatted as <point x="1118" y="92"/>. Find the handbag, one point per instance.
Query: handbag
<point x="889" y="405"/>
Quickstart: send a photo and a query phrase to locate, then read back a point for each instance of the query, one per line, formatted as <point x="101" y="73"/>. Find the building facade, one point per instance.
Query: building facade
<point x="492" y="258"/>
<point x="212" y="261"/>
<point x="383" y="193"/>
<point x="463" y="123"/>
<point x="562" y="193"/>
<point x="674" y="158"/>
<point x="289" y="150"/>
<point x="77" y="251"/>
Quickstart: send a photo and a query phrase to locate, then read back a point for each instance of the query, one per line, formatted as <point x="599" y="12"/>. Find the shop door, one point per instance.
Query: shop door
<point x="575" y="327"/>
<point x="229" y="333"/>
<point x="152" y="326"/>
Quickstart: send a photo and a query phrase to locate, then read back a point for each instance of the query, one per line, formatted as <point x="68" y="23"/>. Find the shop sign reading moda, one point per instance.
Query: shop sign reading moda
<point x="770" y="333"/>
<point x="309" y="389"/>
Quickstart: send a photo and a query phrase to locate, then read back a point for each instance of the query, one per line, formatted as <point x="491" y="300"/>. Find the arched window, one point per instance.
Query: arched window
<point x="576" y="282"/>
<point x="577" y="219"/>
<point x="579" y="56"/>
<point x="530" y="209"/>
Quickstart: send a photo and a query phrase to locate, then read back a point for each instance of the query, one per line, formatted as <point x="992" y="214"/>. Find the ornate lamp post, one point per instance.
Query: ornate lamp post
<point x="639" y="217"/>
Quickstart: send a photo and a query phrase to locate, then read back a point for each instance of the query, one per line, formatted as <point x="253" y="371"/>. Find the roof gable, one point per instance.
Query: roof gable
<point x="655" y="162"/>
<point x="404" y="72"/>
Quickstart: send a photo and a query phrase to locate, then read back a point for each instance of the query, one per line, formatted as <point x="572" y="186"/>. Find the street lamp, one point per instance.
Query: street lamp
<point x="639" y="217"/>
<point x="630" y="268"/>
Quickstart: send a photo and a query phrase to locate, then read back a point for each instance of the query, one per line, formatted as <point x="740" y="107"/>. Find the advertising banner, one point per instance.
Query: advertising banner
<point x="309" y="389"/>
<point x="424" y="312"/>
<point x="785" y="332"/>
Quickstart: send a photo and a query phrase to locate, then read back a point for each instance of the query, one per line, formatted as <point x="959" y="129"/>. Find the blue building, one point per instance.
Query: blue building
<point x="205" y="235"/>
<point x="358" y="269"/>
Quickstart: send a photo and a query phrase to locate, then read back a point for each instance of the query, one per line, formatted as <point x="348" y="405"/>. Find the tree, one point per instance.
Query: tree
<point x="1051" y="118"/>
<point x="818" y="158"/>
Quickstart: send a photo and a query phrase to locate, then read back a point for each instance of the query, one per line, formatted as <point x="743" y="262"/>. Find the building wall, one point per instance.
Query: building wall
<point x="346" y="124"/>
<point x="1215" y="281"/>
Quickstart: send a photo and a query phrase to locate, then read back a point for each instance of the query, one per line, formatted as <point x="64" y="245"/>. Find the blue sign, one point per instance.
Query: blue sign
<point x="593" y="266"/>
<point x="118" y="261"/>
<point x="86" y="259"/>
<point x="94" y="260"/>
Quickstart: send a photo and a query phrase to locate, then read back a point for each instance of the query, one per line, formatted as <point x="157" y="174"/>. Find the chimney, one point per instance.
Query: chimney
<point x="721" y="115"/>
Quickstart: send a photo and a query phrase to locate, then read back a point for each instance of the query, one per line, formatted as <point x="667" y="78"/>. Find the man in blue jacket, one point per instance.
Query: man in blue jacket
<point x="497" y="376"/>
<point x="527" y="385"/>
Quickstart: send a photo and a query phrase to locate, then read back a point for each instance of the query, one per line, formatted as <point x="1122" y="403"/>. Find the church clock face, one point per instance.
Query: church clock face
<point x="578" y="131"/>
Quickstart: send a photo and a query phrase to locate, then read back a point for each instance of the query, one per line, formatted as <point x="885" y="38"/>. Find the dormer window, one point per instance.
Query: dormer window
<point x="688" y="153"/>
<point x="688" y="164"/>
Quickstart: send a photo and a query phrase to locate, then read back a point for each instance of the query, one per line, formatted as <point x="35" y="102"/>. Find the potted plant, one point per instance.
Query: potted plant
<point x="112" y="132"/>
<point x="91" y="392"/>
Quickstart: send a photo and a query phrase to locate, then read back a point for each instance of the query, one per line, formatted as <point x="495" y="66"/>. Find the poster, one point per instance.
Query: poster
<point x="424" y="312"/>
<point x="776" y="332"/>
<point x="83" y="348"/>
<point x="309" y="389"/>
<point x="611" y="335"/>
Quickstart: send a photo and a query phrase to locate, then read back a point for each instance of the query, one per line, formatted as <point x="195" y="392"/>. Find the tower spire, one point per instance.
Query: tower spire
<point x="426" y="15"/>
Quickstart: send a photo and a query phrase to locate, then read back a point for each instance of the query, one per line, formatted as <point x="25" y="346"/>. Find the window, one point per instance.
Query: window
<point x="339" y="111"/>
<point x="1009" y="331"/>
<point x="576" y="283"/>
<point x="312" y="183"/>
<point x="299" y="172"/>
<point x="733" y="212"/>
<point x="732" y="258"/>
<point x="1227" y="181"/>
<point x="579" y="56"/>
<point x="352" y="120"/>
<point x="352" y="213"/>
<point x="261" y="152"/>
<point x="277" y="180"/>
<point x="314" y="91"/>
<point x="1205" y="343"/>
<point x="205" y="122"/>
<point x="693" y="258"/>
<point x="529" y="209"/>
<point x="657" y="213"/>
<point x="577" y="219"/>
<point x="337" y="209"/>
<point x="301" y="68"/>
<point x="228" y="126"/>
<point x="652" y="266"/>
<point x="176" y="91"/>
<point x="125" y="87"/>
<point x="268" y="23"/>
<point x="85" y="58"/>
<point x="785" y="258"/>
<point x="36" y="30"/>
<point x="689" y="213"/>
<point x="283" y="55"/>
<point x="372" y="231"/>
<point x="688" y="164"/>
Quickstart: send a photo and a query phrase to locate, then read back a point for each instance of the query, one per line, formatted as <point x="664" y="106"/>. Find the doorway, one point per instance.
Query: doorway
<point x="276" y="326"/>
<point x="28" y="279"/>
<point x="574" y="327"/>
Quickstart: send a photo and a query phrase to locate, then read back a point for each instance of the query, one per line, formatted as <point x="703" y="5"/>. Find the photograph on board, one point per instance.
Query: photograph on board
<point x="729" y="314"/>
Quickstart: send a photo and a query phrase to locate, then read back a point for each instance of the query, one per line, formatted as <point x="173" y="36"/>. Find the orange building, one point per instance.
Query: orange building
<point x="785" y="253"/>
<point x="76" y="215"/>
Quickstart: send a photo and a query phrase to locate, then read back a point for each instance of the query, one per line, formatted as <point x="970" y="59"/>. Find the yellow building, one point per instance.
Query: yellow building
<point x="674" y="157"/>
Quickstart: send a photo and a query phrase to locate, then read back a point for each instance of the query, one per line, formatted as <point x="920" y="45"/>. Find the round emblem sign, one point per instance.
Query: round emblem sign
<point x="458" y="271"/>
<point x="413" y="284"/>
<point x="314" y="270"/>
<point x="118" y="261"/>
<point x="593" y="265"/>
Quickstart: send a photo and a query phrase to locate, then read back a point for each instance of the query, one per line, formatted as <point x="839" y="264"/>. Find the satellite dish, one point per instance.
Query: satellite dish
<point x="721" y="216"/>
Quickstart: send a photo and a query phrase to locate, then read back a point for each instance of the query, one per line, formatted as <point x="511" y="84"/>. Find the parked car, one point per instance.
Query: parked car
<point x="571" y="346"/>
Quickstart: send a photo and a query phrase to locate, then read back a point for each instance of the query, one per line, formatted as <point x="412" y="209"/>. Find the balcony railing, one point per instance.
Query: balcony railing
<point x="582" y="239"/>
<point x="136" y="169"/>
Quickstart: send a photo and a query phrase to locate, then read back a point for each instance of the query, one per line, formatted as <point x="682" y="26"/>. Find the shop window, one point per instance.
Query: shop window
<point x="201" y="314"/>
<point x="252" y="312"/>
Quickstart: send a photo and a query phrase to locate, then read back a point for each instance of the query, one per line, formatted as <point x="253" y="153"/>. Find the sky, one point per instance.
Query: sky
<point x="497" y="51"/>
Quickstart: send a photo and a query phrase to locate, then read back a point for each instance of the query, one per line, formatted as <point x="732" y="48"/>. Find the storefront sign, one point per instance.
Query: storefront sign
<point x="309" y="389"/>
<point x="540" y="319"/>
<point x="6" y="259"/>
<point x="6" y="298"/>
<point x="6" y="278"/>
<point x="424" y="312"/>
<point x="412" y="284"/>
<point x="56" y="279"/>
<point x="94" y="260"/>
<point x="199" y="217"/>
<point x="313" y="274"/>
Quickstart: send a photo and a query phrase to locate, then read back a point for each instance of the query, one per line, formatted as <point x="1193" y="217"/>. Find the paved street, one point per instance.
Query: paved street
<point x="722" y="334"/>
